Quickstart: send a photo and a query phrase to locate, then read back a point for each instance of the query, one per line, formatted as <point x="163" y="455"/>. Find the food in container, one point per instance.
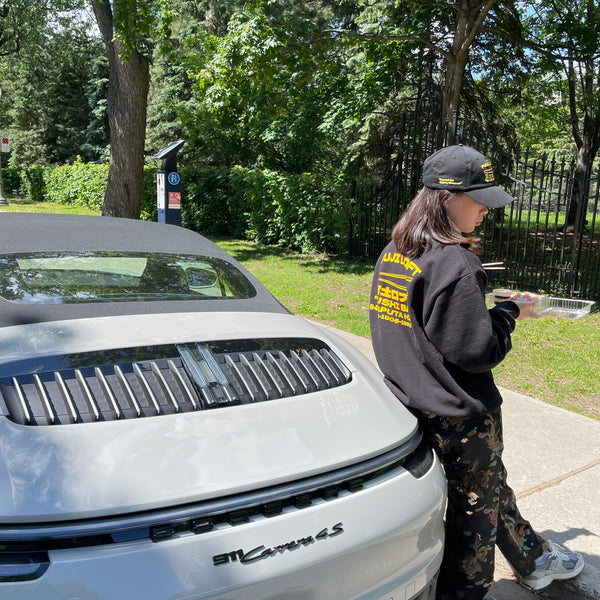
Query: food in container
<point x="501" y="295"/>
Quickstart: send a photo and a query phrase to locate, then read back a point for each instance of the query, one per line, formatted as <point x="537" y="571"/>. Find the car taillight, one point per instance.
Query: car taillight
<point x="420" y="461"/>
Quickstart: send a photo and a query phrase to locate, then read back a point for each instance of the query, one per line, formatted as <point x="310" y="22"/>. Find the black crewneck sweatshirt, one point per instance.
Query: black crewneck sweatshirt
<point x="434" y="338"/>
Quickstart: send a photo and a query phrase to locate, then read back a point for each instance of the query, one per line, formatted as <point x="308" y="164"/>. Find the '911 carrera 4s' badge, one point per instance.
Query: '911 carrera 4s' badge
<point x="261" y="552"/>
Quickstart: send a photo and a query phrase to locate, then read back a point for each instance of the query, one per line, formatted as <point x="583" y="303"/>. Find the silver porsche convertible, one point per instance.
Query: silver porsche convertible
<point x="169" y="431"/>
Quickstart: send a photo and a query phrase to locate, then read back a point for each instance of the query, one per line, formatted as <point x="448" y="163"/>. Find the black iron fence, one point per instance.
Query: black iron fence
<point x="548" y="239"/>
<point x="541" y="250"/>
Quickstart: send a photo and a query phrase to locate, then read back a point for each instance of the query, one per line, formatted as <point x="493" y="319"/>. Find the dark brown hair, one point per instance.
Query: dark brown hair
<point x="425" y="226"/>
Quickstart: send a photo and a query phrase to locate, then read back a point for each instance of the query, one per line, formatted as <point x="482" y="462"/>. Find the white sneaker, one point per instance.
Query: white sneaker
<point x="556" y="563"/>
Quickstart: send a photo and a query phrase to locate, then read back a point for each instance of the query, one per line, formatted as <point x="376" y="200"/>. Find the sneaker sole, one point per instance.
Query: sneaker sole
<point x="539" y="584"/>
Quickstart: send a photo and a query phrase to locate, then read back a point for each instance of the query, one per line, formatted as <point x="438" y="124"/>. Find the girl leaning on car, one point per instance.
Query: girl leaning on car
<point x="436" y="342"/>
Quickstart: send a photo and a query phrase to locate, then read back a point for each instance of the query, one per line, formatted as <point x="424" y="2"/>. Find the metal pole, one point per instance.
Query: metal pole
<point x="3" y="201"/>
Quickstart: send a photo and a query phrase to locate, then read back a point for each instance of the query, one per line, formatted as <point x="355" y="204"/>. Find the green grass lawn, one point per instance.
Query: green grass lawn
<point x="555" y="360"/>
<point x="24" y="205"/>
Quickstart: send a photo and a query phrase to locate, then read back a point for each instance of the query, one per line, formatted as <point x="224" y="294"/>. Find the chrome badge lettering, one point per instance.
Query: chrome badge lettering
<point x="262" y="552"/>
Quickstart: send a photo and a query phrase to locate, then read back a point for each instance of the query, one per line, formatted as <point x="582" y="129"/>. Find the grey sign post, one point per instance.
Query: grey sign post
<point x="168" y="185"/>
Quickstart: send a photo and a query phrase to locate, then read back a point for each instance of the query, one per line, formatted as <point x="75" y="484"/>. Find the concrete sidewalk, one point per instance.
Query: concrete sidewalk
<point x="553" y="462"/>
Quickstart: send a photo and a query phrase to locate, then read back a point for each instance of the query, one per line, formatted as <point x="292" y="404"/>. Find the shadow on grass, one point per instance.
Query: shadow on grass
<point x="18" y="201"/>
<point x="344" y="266"/>
<point x="250" y="251"/>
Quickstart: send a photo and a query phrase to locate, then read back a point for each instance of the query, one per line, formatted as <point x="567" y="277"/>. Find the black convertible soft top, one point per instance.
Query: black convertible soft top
<point x="25" y="232"/>
<point x="30" y="233"/>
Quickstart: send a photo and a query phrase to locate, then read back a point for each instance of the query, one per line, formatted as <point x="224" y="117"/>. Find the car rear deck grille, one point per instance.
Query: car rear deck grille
<point x="185" y="378"/>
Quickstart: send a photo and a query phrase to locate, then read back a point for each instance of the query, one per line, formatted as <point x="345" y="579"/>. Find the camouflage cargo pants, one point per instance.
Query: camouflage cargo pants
<point x="482" y="510"/>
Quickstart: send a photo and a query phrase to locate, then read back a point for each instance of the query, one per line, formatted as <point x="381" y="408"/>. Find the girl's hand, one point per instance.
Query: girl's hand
<point x="527" y="304"/>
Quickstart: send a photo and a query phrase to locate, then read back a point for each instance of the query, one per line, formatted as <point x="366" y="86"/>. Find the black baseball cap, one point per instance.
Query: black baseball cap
<point x="463" y="169"/>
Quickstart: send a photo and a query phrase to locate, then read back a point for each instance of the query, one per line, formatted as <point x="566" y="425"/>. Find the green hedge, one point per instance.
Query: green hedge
<point x="210" y="204"/>
<point x="29" y="182"/>
<point x="78" y="184"/>
<point x="305" y="212"/>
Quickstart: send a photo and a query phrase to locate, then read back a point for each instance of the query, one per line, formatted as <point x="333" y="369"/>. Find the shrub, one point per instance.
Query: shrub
<point x="29" y="182"/>
<point x="78" y="184"/>
<point x="33" y="182"/>
<point x="11" y="181"/>
<point x="209" y="202"/>
<point x="304" y="212"/>
<point x="149" y="210"/>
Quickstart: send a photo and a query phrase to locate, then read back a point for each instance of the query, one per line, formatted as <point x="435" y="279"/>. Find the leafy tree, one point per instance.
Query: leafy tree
<point x="456" y="31"/>
<point x="170" y="85"/>
<point x="267" y="84"/>
<point x="534" y="105"/>
<point x="21" y="23"/>
<point x="262" y="92"/>
<point x="567" y="37"/>
<point x="48" y="101"/>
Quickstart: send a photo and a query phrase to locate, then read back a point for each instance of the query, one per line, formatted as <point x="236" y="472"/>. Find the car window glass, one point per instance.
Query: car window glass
<point x="60" y="278"/>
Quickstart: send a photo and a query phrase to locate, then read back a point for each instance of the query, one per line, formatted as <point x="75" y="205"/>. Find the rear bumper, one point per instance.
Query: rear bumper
<point x="382" y="542"/>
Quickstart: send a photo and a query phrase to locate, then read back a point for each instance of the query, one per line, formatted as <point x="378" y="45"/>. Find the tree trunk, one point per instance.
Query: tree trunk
<point x="128" y="85"/>
<point x="455" y="72"/>
<point x="579" y="193"/>
<point x="470" y="17"/>
<point x="586" y="133"/>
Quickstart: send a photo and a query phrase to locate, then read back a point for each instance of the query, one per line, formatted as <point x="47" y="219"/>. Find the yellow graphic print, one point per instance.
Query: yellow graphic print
<point x="390" y="300"/>
<point x="448" y="181"/>
<point x="488" y="172"/>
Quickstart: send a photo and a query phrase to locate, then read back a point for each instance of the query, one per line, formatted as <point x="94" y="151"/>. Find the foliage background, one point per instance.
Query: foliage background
<point x="283" y="104"/>
<point x="300" y="211"/>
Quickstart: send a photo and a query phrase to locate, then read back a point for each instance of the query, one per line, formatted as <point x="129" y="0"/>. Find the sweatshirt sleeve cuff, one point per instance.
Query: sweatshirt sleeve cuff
<point x="509" y="306"/>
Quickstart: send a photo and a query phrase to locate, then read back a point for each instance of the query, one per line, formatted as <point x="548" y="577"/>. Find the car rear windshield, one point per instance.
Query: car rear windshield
<point x="61" y="278"/>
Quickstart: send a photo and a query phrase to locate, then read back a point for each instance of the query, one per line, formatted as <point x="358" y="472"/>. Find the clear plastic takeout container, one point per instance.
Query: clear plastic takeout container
<point x="564" y="308"/>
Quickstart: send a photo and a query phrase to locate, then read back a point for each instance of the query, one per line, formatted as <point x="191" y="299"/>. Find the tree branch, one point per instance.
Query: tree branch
<point x="104" y="17"/>
<point x="475" y="30"/>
